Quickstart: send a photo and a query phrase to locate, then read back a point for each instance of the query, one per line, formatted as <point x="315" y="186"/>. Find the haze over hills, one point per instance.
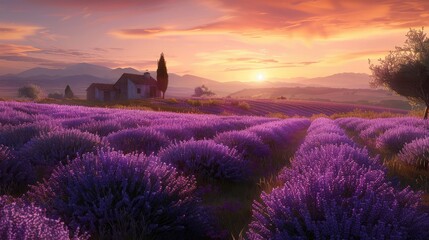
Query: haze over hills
<point x="80" y="76"/>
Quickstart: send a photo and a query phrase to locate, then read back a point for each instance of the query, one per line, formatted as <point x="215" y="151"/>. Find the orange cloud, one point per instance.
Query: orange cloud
<point x="303" y="19"/>
<point x="16" y="50"/>
<point x="16" y="32"/>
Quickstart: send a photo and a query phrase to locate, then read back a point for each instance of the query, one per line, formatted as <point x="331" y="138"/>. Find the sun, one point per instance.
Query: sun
<point x="260" y="77"/>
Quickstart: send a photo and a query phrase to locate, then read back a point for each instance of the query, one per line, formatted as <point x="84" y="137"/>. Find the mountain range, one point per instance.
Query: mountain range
<point x="80" y="76"/>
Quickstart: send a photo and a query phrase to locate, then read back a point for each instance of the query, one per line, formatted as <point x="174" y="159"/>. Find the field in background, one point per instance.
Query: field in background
<point x="250" y="107"/>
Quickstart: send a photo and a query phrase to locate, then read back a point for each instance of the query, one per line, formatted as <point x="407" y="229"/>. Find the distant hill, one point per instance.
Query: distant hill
<point x="340" y="80"/>
<point x="9" y="84"/>
<point x="78" y="69"/>
<point x="80" y="76"/>
<point x="377" y="97"/>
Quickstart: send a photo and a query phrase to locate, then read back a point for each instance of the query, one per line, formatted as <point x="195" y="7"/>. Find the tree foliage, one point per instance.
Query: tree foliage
<point x="68" y="93"/>
<point x="405" y="70"/>
<point x="162" y="75"/>
<point x="202" y="91"/>
<point x="30" y="91"/>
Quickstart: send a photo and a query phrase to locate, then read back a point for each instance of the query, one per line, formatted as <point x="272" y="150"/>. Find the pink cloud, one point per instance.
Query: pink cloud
<point x="9" y="31"/>
<point x="16" y="50"/>
<point x="304" y="19"/>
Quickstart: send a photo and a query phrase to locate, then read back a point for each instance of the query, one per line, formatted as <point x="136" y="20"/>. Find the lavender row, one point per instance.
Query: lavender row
<point x="406" y="138"/>
<point x="335" y="190"/>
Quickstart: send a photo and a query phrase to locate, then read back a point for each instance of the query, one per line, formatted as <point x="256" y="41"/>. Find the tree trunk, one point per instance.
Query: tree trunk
<point x="163" y="95"/>
<point x="426" y="112"/>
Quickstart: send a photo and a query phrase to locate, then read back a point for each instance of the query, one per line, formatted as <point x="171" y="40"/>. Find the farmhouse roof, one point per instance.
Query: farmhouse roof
<point x="145" y="79"/>
<point x="102" y="86"/>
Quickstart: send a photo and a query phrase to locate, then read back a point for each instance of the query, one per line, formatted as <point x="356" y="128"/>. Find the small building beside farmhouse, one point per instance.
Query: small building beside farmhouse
<point x="129" y="86"/>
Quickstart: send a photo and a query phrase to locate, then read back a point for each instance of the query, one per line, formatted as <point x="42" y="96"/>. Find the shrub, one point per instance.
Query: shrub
<point x="201" y="130"/>
<point x="172" y="100"/>
<point x="195" y="103"/>
<point x="101" y="128"/>
<point x="142" y="140"/>
<point x="329" y="128"/>
<point x="376" y="129"/>
<point x="116" y="196"/>
<point x="206" y="160"/>
<point x="416" y="153"/>
<point x="317" y="140"/>
<point x="11" y="117"/>
<point x="71" y="123"/>
<point x="30" y="91"/>
<point x="345" y="201"/>
<point x="394" y="139"/>
<point x="246" y="143"/>
<point x="350" y="123"/>
<point x="26" y="221"/>
<point x="278" y="133"/>
<point x="317" y="160"/>
<point x="17" y="136"/>
<point x="174" y="131"/>
<point x="244" y="105"/>
<point x="58" y="146"/>
<point x="15" y="174"/>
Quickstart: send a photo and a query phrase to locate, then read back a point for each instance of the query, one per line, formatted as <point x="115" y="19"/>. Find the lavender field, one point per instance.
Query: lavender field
<point x="70" y="172"/>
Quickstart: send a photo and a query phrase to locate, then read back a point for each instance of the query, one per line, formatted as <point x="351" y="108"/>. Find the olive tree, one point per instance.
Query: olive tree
<point x="30" y="91"/>
<point x="405" y="70"/>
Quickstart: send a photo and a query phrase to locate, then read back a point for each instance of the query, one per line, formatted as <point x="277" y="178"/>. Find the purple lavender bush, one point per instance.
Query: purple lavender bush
<point x="12" y="117"/>
<point x="350" y="123"/>
<point x="58" y="146"/>
<point x="278" y="133"/>
<point x="377" y="128"/>
<point x="318" y="160"/>
<point x="248" y="144"/>
<point x="25" y="221"/>
<point x="116" y="196"/>
<point x="101" y="128"/>
<point x="141" y="140"/>
<point x="16" y="136"/>
<point x="345" y="201"/>
<point x="416" y="153"/>
<point x="206" y="160"/>
<point x="174" y="131"/>
<point x="393" y="140"/>
<point x="316" y="140"/>
<point x="15" y="174"/>
<point x="74" y="123"/>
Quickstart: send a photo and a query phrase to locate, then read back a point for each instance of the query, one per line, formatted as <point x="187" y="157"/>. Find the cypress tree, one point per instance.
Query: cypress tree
<point x="68" y="93"/>
<point x="162" y="75"/>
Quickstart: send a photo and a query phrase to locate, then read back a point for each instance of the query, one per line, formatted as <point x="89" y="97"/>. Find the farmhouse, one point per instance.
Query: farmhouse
<point x="128" y="86"/>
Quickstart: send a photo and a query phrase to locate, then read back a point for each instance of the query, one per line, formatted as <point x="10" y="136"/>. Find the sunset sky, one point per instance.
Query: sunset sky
<point x="247" y="40"/>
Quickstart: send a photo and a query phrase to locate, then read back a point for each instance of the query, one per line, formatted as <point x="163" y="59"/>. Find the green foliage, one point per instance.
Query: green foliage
<point x="68" y="93"/>
<point x="30" y="91"/>
<point x="195" y="103"/>
<point x="244" y="105"/>
<point x="162" y="75"/>
<point x="173" y="100"/>
<point x="406" y="69"/>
